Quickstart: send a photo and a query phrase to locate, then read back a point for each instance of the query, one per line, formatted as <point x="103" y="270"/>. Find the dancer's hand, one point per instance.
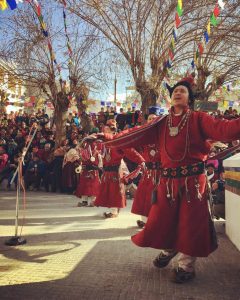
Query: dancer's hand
<point x="143" y="166"/>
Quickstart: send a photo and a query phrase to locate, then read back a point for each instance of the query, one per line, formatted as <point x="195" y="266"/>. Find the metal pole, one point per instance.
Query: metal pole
<point x="24" y="153"/>
<point x="17" y="204"/>
<point x="115" y="89"/>
<point x="18" y="240"/>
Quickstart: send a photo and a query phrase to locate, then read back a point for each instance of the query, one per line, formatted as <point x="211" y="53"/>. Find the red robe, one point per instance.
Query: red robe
<point x="183" y="226"/>
<point x="89" y="181"/>
<point x="143" y="197"/>
<point x="112" y="191"/>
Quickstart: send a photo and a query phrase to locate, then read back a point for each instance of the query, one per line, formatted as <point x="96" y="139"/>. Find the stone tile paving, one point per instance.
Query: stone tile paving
<point x="73" y="253"/>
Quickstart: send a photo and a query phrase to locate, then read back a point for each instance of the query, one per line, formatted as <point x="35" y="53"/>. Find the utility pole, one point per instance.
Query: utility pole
<point x="115" y="89"/>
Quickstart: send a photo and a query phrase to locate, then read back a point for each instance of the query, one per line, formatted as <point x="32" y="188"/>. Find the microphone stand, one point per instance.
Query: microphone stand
<point x="16" y="239"/>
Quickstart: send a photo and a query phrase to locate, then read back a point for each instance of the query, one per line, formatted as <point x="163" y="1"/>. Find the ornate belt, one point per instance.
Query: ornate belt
<point x="90" y="167"/>
<point x="153" y="165"/>
<point x="184" y="171"/>
<point x="111" y="168"/>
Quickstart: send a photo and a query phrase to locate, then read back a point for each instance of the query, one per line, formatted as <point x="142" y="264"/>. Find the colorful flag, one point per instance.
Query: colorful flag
<point x="201" y="49"/>
<point x="209" y="28"/>
<point x="171" y="54"/>
<point x="3" y="4"/>
<point x="216" y="11"/>
<point x="213" y="20"/>
<point x="177" y="20"/>
<point x="221" y="4"/>
<point x="175" y="35"/>
<point x="179" y="10"/>
<point x="180" y="3"/>
<point x="12" y="4"/>
<point x="193" y="64"/>
<point x="206" y="36"/>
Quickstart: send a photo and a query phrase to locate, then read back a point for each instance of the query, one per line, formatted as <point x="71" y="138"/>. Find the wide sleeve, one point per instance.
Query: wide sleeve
<point x="219" y="129"/>
<point x="133" y="155"/>
<point x="137" y="136"/>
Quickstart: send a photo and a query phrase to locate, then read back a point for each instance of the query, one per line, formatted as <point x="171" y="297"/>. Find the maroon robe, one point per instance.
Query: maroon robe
<point x="143" y="197"/>
<point x="89" y="181"/>
<point x="112" y="191"/>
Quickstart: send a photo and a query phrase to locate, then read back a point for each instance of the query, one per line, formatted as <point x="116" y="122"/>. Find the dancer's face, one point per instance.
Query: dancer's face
<point x="180" y="96"/>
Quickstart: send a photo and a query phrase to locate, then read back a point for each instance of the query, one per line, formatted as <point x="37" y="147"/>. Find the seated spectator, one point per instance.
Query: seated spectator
<point x="34" y="173"/>
<point x="218" y="190"/>
<point x="3" y="163"/>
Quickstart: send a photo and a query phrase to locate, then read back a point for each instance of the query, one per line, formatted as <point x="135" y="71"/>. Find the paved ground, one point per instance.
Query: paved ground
<point x="73" y="253"/>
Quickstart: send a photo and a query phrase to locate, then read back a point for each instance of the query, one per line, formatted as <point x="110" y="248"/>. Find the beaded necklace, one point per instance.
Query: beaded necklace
<point x="186" y="141"/>
<point x="173" y="131"/>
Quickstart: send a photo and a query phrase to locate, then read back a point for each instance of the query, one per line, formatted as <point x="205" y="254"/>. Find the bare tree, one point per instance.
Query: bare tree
<point x="142" y="31"/>
<point x="31" y="59"/>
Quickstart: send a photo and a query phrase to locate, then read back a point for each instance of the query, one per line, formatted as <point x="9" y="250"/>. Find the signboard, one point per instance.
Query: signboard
<point x="206" y="106"/>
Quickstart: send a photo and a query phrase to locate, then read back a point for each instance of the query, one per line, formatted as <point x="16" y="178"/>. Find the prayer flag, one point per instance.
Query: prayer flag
<point x="221" y="4"/>
<point x="171" y="54"/>
<point x="201" y="49"/>
<point x="177" y="20"/>
<point x="179" y="10"/>
<point x="213" y="20"/>
<point x="206" y="36"/>
<point x="216" y="11"/>
<point x="175" y="35"/>
<point x="168" y="64"/>
<point x="3" y="4"/>
<point x="45" y="33"/>
<point x="12" y="4"/>
<point x="38" y="10"/>
<point x="209" y="28"/>
<point x="180" y="3"/>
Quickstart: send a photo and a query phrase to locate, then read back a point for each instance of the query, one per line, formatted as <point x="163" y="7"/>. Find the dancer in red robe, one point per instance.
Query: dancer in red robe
<point x="112" y="192"/>
<point x="179" y="222"/>
<point x="143" y="197"/>
<point x="89" y="181"/>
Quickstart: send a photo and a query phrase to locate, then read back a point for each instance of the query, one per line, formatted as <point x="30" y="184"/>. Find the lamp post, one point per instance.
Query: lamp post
<point x="115" y="89"/>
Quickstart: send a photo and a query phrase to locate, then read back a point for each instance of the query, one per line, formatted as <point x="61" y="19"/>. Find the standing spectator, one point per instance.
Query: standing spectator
<point x="121" y="119"/>
<point x="3" y="163"/>
<point x="70" y="177"/>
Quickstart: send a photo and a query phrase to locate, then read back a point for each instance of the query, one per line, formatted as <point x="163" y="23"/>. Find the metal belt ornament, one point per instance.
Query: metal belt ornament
<point x="184" y="171"/>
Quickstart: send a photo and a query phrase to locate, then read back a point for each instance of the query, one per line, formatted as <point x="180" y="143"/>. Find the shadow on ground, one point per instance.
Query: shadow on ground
<point x="119" y="270"/>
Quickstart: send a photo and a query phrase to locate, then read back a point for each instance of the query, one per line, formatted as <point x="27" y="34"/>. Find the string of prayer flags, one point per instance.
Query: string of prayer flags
<point x="70" y="52"/>
<point x="206" y="35"/>
<point x="38" y="11"/>
<point x="171" y="50"/>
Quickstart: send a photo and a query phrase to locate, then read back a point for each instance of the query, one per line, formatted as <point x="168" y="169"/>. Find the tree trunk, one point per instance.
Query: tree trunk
<point x="149" y="98"/>
<point x="61" y="109"/>
<point x="86" y="121"/>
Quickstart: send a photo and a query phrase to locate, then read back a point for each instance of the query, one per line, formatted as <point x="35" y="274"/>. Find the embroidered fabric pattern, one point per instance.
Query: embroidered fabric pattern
<point x="184" y="171"/>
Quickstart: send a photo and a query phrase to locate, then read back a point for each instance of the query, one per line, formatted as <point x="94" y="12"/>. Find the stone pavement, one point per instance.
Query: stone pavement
<point x="73" y="253"/>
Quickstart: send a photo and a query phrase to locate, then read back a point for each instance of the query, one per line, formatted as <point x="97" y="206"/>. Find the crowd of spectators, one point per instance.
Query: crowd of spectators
<point x="45" y="166"/>
<point x="44" y="163"/>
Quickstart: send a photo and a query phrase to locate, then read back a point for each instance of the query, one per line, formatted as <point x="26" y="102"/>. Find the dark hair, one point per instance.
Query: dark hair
<point x="189" y="88"/>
